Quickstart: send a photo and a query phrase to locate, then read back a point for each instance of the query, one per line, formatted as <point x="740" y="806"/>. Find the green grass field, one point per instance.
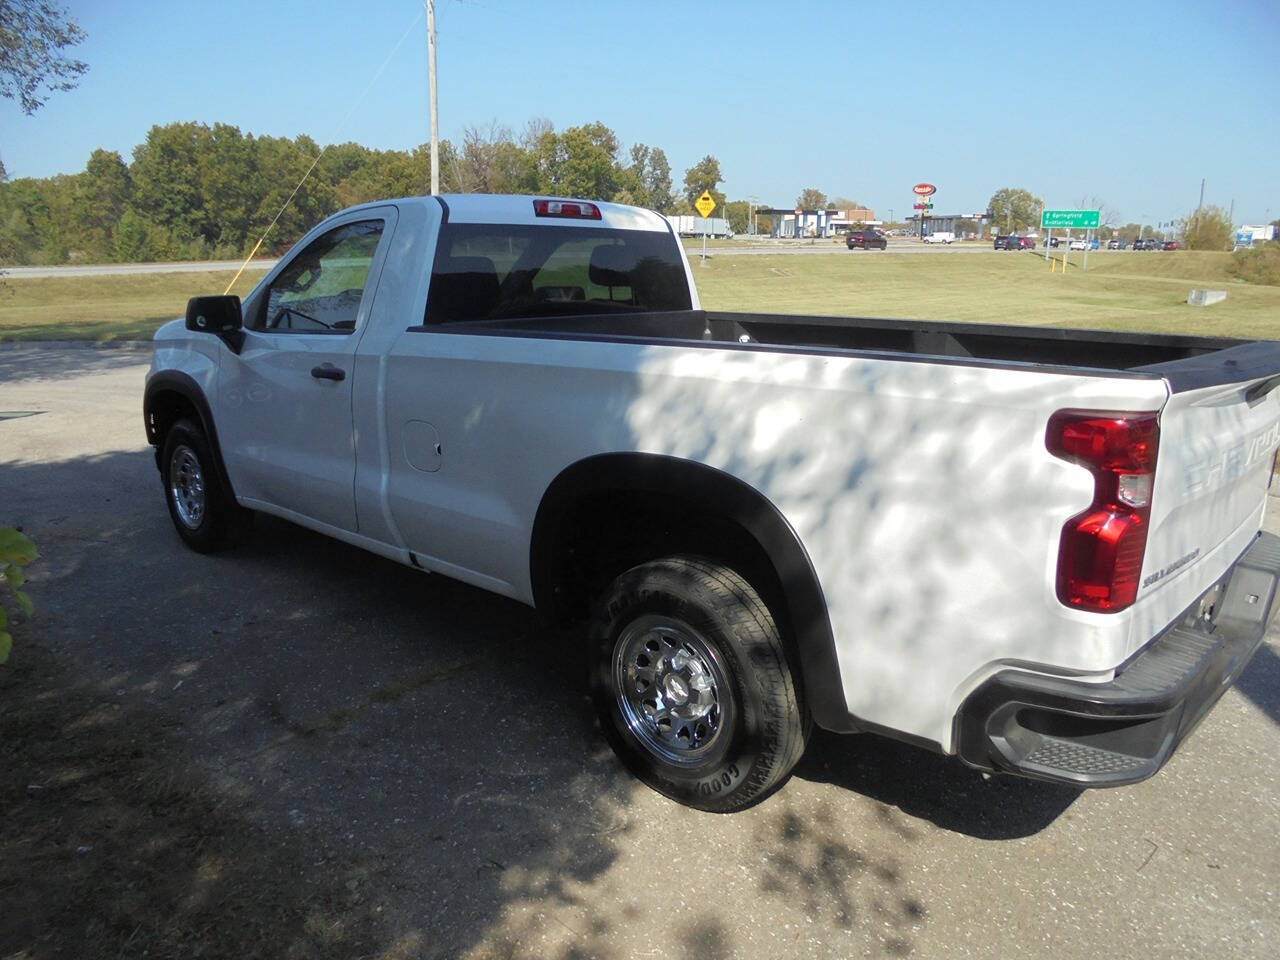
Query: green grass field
<point x="116" y="307"/>
<point x="1121" y="291"/>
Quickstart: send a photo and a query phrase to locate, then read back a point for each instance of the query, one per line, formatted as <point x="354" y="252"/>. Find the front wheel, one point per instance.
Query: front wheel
<point x="692" y="685"/>
<point x="203" y="511"/>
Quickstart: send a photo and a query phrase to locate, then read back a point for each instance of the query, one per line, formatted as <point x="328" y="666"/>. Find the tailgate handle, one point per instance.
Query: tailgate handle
<point x="327" y="371"/>
<point x="1260" y="390"/>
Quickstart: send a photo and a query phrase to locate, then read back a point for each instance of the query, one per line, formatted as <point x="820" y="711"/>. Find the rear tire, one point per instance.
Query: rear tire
<point x="692" y="685"/>
<point x="203" y="511"/>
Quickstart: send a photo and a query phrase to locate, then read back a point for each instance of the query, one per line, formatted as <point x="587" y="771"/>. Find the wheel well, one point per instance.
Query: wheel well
<point x="608" y="513"/>
<point x="164" y="409"/>
<point x="601" y="534"/>
<point x="171" y="397"/>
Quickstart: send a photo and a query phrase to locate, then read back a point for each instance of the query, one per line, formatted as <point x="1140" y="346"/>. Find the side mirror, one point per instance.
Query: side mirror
<point x="216" y="315"/>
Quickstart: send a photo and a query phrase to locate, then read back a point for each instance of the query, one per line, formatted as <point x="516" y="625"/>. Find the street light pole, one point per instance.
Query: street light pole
<point x="435" y="116"/>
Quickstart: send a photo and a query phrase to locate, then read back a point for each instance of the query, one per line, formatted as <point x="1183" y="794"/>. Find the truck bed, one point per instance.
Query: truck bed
<point x="1185" y="362"/>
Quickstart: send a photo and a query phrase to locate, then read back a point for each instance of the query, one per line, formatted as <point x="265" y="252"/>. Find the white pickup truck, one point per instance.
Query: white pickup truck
<point x="1038" y="549"/>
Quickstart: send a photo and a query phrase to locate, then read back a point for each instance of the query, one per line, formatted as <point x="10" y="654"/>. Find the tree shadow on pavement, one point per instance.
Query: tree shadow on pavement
<point x="111" y="845"/>
<point x="933" y="787"/>
<point x="325" y="750"/>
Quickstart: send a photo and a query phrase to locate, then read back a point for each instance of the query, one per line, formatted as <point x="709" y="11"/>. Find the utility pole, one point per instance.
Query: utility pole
<point x="1201" y="203"/>
<point x="435" y="115"/>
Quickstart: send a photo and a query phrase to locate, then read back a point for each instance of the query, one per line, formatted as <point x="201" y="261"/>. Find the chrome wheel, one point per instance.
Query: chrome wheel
<point x="186" y="486"/>
<point x="671" y="689"/>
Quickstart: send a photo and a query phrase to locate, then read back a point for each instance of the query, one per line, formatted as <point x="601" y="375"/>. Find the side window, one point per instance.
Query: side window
<point x="320" y="290"/>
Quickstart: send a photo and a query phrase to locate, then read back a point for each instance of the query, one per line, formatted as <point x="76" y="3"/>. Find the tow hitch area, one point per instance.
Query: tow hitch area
<point x="1123" y="731"/>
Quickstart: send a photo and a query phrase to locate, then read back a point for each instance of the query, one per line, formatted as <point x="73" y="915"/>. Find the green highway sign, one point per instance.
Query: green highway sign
<point x="1070" y="219"/>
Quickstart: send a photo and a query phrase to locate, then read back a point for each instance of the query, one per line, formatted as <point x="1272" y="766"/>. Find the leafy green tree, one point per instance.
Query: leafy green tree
<point x="131" y="240"/>
<point x="102" y="195"/>
<point x="17" y="237"/>
<point x="341" y="161"/>
<point x="228" y="182"/>
<point x="39" y="217"/>
<point x="33" y="66"/>
<point x="739" y="214"/>
<point x="491" y="162"/>
<point x="649" y="178"/>
<point x="282" y="164"/>
<point x="1208" y="229"/>
<point x="166" y="184"/>
<point x="703" y="175"/>
<point x="586" y="163"/>
<point x="1013" y="209"/>
<point x="1128" y="233"/>
<point x="811" y="198"/>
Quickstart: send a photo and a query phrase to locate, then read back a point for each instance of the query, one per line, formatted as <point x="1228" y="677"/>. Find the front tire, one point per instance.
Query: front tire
<point x="203" y="511"/>
<point x="692" y="685"/>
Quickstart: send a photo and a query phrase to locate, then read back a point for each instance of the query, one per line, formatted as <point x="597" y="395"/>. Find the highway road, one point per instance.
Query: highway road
<point x="111" y="269"/>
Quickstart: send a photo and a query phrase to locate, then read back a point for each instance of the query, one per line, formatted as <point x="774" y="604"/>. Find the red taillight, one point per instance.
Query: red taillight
<point x="1101" y="550"/>
<point x="571" y="209"/>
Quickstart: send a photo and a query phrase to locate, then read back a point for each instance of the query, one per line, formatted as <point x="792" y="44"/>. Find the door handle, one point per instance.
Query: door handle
<point x="327" y="371"/>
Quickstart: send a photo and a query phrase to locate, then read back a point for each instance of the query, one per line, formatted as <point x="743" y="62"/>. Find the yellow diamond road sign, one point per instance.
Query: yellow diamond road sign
<point x="706" y="203"/>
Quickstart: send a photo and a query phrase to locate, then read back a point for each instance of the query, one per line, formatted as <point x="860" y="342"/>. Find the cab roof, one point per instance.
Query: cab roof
<point x="519" y="209"/>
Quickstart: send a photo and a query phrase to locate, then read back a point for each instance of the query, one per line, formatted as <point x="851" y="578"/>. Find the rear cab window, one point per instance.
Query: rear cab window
<point x="517" y="271"/>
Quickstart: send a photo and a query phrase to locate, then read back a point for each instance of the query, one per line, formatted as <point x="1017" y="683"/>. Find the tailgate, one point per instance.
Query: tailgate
<point x="1217" y="448"/>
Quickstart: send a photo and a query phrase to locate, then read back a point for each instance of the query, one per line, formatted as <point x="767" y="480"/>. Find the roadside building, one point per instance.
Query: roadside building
<point x="946" y="223"/>
<point x="818" y="223"/>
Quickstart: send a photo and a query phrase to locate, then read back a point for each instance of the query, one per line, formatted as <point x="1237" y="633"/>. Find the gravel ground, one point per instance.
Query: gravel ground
<point x="417" y="761"/>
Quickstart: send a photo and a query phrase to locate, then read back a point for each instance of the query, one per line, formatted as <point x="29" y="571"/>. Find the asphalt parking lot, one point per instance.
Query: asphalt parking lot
<point x="436" y="738"/>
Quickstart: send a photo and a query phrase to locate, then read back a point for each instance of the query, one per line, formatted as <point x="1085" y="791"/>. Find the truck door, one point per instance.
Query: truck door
<point x="285" y="418"/>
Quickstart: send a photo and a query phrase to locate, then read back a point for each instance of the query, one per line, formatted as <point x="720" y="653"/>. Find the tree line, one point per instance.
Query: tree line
<point x="193" y="191"/>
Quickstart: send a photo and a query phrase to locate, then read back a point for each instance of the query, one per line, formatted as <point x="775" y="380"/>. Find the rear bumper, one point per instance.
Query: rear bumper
<point x="1123" y="731"/>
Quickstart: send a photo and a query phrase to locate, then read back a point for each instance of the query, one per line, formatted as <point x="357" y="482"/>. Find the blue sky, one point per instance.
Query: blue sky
<point x="1131" y="102"/>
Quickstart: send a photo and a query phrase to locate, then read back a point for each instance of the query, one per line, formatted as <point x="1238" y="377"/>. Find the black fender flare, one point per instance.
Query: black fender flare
<point x="177" y="382"/>
<point x="719" y="494"/>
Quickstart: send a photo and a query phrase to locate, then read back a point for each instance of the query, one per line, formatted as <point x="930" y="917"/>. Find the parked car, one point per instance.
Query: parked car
<point x="1009" y="241"/>
<point x="1079" y="244"/>
<point x="1054" y="241"/>
<point x="1170" y="245"/>
<point x="1028" y="243"/>
<point x="865" y="240"/>
<point x="1038" y="550"/>
<point x="942" y="236"/>
<point x="1149" y="243"/>
<point x="1116" y="243"/>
